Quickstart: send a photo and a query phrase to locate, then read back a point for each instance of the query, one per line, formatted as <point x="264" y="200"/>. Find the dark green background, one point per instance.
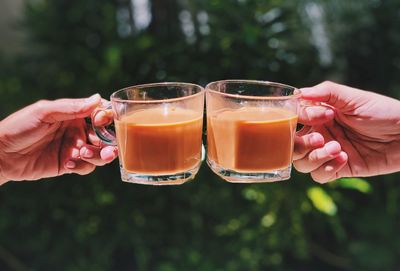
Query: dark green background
<point x="73" y="48"/>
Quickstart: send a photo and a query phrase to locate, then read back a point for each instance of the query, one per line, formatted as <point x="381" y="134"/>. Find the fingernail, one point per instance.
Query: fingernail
<point x="342" y="157"/>
<point x="108" y="154"/>
<point x="329" y="168"/>
<point x="75" y="153"/>
<point x="94" y="98"/>
<point x="329" y="113"/>
<point x="87" y="153"/>
<point x="332" y="147"/>
<point x="80" y="143"/>
<point x="70" y="164"/>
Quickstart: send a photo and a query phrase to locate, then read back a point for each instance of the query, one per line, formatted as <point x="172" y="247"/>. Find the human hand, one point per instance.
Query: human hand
<point x="51" y="138"/>
<point x="351" y="133"/>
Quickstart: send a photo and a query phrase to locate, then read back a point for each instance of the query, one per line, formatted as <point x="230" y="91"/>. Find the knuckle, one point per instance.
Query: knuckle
<point x="41" y="105"/>
<point x="328" y="84"/>
<point x="318" y="137"/>
<point x="314" y="156"/>
<point x="76" y="107"/>
<point x="42" y="108"/>
<point x="310" y="138"/>
<point x="304" y="143"/>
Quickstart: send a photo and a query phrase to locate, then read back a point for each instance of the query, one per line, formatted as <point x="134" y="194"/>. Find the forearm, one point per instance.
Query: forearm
<point x="3" y="179"/>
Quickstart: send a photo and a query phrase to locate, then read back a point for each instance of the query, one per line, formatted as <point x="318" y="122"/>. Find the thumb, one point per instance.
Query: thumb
<point x="335" y="95"/>
<point x="67" y="109"/>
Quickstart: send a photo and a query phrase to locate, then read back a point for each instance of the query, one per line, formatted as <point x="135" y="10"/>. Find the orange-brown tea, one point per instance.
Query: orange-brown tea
<point x="252" y="139"/>
<point x="159" y="141"/>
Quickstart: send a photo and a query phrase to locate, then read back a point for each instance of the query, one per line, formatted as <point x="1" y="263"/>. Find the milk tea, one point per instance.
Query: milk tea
<point x="252" y="139"/>
<point x="159" y="141"/>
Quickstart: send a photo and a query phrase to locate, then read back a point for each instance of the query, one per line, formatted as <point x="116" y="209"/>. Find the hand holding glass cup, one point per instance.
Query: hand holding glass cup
<point x="251" y="127"/>
<point x="158" y="130"/>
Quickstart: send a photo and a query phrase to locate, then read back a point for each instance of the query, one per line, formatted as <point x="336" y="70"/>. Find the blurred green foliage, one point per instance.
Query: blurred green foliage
<point x="73" y="223"/>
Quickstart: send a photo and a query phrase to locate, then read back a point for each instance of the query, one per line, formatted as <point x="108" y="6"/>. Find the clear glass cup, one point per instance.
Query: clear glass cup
<point x="250" y="129"/>
<point x="158" y="130"/>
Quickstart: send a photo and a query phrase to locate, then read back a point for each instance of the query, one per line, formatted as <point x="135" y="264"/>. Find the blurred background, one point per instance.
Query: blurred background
<point x="68" y="48"/>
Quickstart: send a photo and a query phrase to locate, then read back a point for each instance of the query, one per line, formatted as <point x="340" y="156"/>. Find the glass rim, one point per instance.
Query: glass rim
<point x="296" y="91"/>
<point x="113" y="97"/>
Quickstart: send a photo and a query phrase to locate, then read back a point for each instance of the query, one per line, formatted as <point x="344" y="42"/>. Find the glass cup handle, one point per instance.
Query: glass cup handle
<point x="105" y="131"/>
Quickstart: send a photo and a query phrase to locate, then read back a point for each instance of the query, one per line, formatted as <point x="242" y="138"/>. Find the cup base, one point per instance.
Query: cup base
<point x="251" y="177"/>
<point x="169" y="179"/>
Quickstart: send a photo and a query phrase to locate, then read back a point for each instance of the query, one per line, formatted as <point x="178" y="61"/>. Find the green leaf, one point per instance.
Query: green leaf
<point x="268" y="220"/>
<point x="358" y="184"/>
<point x="322" y="201"/>
<point x="113" y="56"/>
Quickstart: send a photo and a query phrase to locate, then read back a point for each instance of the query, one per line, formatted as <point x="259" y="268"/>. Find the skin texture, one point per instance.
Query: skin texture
<point x="347" y="132"/>
<point x="51" y="138"/>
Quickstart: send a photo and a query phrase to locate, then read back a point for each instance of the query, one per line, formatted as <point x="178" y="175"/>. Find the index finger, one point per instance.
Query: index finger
<point x="315" y="114"/>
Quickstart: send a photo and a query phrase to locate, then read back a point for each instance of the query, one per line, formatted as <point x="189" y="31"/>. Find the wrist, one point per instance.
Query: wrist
<point x="3" y="179"/>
